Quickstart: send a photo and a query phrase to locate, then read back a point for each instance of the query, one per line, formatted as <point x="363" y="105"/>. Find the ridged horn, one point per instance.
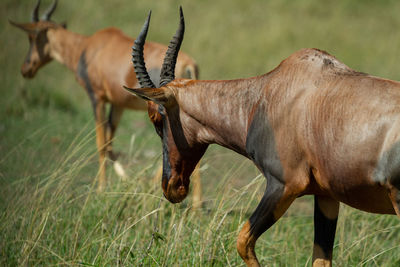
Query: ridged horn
<point x="137" y="57"/>
<point x="35" y="12"/>
<point x="47" y="14"/>
<point x="168" y="67"/>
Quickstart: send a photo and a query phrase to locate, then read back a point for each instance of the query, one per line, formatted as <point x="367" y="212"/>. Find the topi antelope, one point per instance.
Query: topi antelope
<point x="312" y="126"/>
<point x="101" y="65"/>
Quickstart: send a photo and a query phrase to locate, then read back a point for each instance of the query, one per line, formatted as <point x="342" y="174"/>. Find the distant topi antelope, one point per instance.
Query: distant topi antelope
<point x="101" y="64"/>
<point x="312" y="126"/>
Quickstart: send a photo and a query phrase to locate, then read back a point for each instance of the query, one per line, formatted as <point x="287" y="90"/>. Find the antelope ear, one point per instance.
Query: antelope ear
<point x="160" y="96"/>
<point x="27" y="27"/>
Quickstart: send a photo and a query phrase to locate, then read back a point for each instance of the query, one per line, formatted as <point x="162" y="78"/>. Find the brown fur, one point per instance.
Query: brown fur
<point x="107" y="54"/>
<point x="331" y="127"/>
<point x="334" y="114"/>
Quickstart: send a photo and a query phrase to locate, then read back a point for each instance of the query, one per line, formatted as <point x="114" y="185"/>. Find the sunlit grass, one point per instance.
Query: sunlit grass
<point x="49" y="211"/>
<point x="59" y="219"/>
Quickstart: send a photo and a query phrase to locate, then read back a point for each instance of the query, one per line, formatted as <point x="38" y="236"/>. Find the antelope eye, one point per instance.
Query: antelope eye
<point x="161" y="110"/>
<point x="158" y="125"/>
<point x="159" y="128"/>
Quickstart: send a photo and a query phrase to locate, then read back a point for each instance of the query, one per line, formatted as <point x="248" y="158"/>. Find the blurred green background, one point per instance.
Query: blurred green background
<point x="48" y="162"/>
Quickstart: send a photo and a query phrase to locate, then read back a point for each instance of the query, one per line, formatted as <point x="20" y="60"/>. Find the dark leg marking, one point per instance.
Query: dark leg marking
<point x="261" y="148"/>
<point x="395" y="198"/>
<point x="110" y="123"/>
<point x="324" y="230"/>
<point x="395" y="181"/>
<point x="114" y="117"/>
<point x="263" y="217"/>
<point x="82" y="73"/>
<point x="272" y="206"/>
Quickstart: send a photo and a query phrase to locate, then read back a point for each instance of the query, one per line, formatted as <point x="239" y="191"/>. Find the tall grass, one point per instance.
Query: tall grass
<point x="49" y="212"/>
<point x="57" y="218"/>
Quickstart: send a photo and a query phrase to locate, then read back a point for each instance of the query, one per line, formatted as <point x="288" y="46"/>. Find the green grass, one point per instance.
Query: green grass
<point x="49" y="211"/>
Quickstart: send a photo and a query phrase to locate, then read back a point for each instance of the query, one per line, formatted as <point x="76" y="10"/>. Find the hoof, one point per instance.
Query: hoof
<point x="120" y="170"/>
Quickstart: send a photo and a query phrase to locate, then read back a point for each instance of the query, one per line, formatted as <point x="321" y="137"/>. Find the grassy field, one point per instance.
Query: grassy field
<point x="49" y="211"/>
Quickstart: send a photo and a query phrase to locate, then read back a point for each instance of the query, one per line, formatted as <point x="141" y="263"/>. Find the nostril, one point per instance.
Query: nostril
<point x="181" y="190"/>
<point x="25" y="66"/>
<point x="26" y="72"/>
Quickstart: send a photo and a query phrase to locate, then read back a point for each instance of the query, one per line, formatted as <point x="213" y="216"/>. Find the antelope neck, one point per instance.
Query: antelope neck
<point x="223" y="109"/>
<point x="65" y="46"/>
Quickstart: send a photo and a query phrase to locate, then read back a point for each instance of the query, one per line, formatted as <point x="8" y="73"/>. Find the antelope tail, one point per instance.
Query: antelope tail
<point x="192" y="72"/>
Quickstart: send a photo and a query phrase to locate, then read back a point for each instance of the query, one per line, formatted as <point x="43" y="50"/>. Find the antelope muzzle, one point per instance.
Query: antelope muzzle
<point x="175" y="189"/>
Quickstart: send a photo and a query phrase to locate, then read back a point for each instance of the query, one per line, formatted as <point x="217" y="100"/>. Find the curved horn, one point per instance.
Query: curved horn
<point x="47" y="14"/>
<point x="35" y="12"/>
<point x="137" y="57"/>
<point x="168" y="68"/>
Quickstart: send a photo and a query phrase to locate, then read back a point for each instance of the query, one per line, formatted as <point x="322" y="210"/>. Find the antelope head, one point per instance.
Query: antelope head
<point x="39" y="48"/>
<point x="181" y="150"/>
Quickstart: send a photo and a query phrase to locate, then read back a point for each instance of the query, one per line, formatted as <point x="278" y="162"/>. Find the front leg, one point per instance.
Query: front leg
<point x="326" y="212"/>
<point x="114" y="118"/>
<point x="99" y="109"/>
<point x="273" y="205"/>
<point x="98" y="106"/>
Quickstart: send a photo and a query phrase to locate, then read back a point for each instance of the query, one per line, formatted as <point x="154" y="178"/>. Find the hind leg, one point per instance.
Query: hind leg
<point x="114" y="118"/>
<point x="394" y="194"/>
<point x="326" y="212"/>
